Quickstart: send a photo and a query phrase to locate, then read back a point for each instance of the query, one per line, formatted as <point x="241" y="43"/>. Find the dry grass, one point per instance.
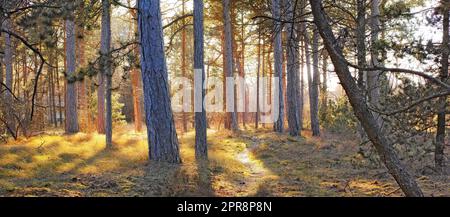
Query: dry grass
<point x="251" y="163"/>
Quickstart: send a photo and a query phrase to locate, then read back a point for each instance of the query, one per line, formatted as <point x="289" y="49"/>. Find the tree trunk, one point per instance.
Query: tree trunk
<point x="439" y="158"/>
<point x="183" y="66"/>
<point x="10" y="120"/>
<point x="360" y="108"/>
<point x="314" y="87"/>
<point x="373" y="81"/>
<point x="71" y="89"/>
<point x="201" y="148"/>
<point x="292" y="53"/>
<point x="278" y="65"/>
<point x="162" y="135"/>
<point x="105" y="64"/>
<point x="229" y="66"/>
<point x="258" y="72"/>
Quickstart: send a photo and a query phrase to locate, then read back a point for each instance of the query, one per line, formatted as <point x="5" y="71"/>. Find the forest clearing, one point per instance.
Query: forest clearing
<point x="224" y="98"/>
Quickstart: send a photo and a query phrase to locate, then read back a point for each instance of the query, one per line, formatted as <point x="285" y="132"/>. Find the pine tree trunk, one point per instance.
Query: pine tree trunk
<point x="439" y="158"/>
<point x="292" y="52"/>
<point x="229" y="66"/>
<point x="278" y="66"/>
<point x="183" y="67"/>
<point x="105" y="47"/>
<point x="201" y="148"/>
<point x="258" y="72"/>
<point x="371" y="126"/>
<point x="314" y="86"/>
<point x="373" y="81"/>
<point x="10" y="120"/>
<point x="162" y="136"/>
<point x="71" y="88"/>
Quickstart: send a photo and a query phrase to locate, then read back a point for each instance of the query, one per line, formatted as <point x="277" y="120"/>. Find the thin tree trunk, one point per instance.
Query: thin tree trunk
<point x="201" y="148"/>
<point x="371" y="126"/>
<point x="11" y="123"/>
<point x="373" y="81"/>
<point x="162" y="135"/>
<point x="258" y="72"/>
<point x="314" y="86"/>
<point x="229" y="63"/>
<point x="292" y="71"/>
<point x="278" y="65"/>
<point x="105" y="64"/>
<point x="183" y="66"/>
<point x="439" y="158"/>
<point x="71" y="89"/>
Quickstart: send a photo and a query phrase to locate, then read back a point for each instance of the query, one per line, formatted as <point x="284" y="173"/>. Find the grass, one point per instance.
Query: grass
<point x="250" y="163"/>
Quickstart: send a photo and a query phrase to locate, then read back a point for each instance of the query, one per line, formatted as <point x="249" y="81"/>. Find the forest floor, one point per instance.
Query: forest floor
<point x="250" y="163"/>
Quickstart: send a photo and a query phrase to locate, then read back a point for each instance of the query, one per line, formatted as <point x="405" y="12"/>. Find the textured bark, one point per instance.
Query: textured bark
<point x="229" y="65"/>
<point x="201" y="148"/>
<point x="162" y="136"/>
<point x="314" y="86"/>
<point x="292" y="53"/>
<point x="371" y="126"/>
<point x="373" y="81"/>
<point x="278" y="64"/>
<point x="439" y="158"/>
<point x="183" y="66"/>
<point x="101" y="103"/>
<point x="324" y="87"/>
<point x="258" y="72"/>
<point x="71" y="88"/>
<point x="105" y="47"/>
<point x="302" y="85"/>
<point x="361" y="48"/>
<point x="10" y="120"/>
<point x="136" y="84"/>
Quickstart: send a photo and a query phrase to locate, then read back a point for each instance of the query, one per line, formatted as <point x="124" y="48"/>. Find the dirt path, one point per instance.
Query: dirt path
<point x="258" y="173"/>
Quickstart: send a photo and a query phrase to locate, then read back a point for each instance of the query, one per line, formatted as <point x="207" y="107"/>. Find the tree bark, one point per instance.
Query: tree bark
<point x="292" y="53"/>
<point x="371" y="126"/>
<point x="278" y="65"/>
<point x="105" y="64"/>
<point x="162" y="135"/>
<point x="71" y="89"/>
<point x="229" y="65"/>
<point x="10" y="120"/>
<point x="373" y="81"/>
<point x="439" y="158"/>
<point x="314" y="87"/>
<point x="201" y="148"/>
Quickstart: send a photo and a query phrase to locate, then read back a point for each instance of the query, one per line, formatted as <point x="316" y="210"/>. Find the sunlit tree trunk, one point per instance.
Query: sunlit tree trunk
<point x="229" y="60"/>
<point x="71" y="89"/>
<point x="258" y="72"/>
<point x="162" y="136"/>
<point x="105" y="64"/>
<point x="278" y="65"/>
<point x="183" y="66"/>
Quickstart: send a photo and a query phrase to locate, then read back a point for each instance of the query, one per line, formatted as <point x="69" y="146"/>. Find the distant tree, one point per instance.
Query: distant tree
<point x="162" y="136"/>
